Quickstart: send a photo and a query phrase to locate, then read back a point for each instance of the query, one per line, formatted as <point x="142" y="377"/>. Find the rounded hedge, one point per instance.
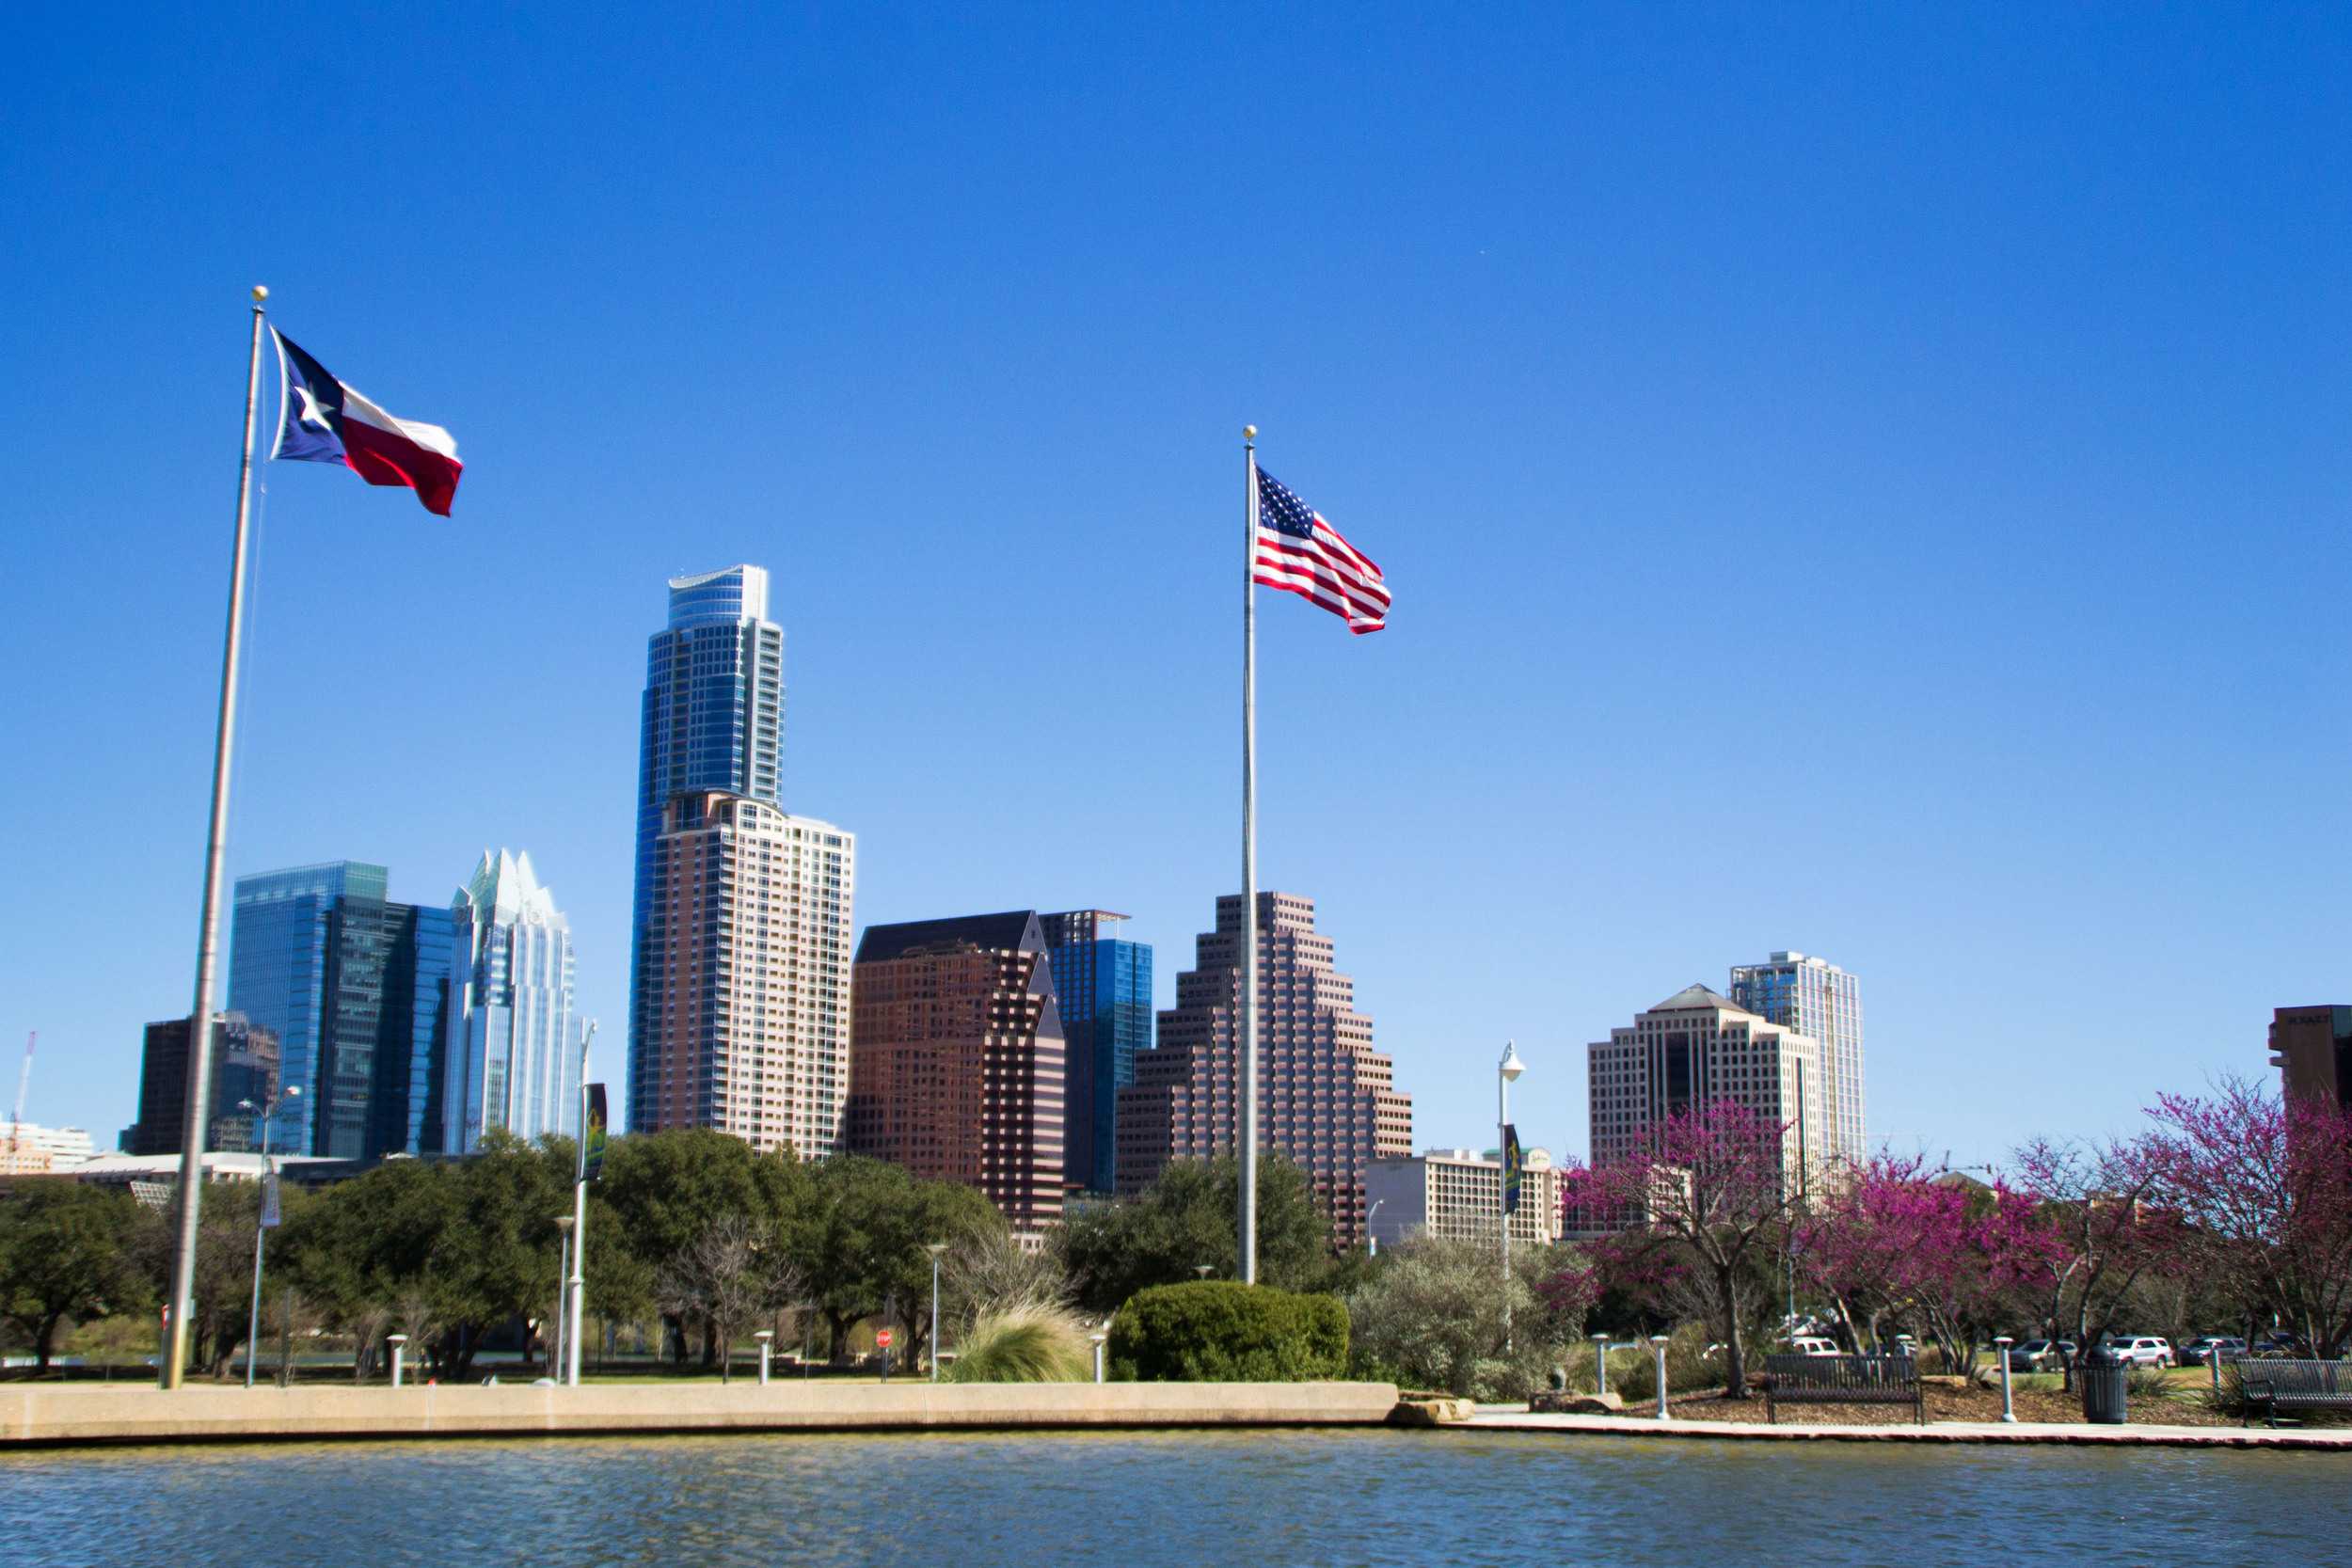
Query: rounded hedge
<point x="1222" y="1331"/>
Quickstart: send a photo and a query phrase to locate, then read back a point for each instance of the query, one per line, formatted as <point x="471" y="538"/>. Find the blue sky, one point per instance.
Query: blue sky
<point x="1863" y="483"/>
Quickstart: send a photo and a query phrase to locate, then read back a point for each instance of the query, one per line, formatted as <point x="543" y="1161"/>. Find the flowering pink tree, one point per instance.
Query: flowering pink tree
<point x="1705" y="1204"/>
<point x="2264" y="1189"/>
<point x="2104" y="1229"/>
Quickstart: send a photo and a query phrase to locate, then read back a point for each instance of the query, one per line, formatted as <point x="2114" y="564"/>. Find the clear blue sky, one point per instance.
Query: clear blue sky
<point x="1867" y="483"/>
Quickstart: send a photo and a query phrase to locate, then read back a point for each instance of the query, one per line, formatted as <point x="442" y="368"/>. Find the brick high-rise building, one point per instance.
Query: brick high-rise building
<point x="2311" y="1048"/>
<point x="1697" y="1048"/>
<point x="1327" y="1100"/>
<point x="743" y="1021"/>
<point x="957" y="1066"/>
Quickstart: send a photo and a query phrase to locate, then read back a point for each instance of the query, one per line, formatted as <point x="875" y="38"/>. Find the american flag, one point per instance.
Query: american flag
<point x="1298" y="551"/>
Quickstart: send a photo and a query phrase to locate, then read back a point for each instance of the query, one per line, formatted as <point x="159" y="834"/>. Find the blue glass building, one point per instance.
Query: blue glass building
<point x="277" y="947"/>
<point x="1104" y="985"/>
<point x="712" y="718"/>
<point x="361" y="984"/>
<point x="513" y="1062"/>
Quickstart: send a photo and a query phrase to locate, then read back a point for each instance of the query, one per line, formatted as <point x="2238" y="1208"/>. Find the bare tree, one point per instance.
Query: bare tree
<point x="728" y="1276"/>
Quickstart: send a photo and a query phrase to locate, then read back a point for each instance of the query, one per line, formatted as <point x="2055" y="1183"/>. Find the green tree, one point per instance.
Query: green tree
<point x="662" y="1195"/>
<point x="1187" y="1218"/>
<point x="1430" y="1315"/>
<point x="860" y="1243"/>
<point x="66" y="1253"/>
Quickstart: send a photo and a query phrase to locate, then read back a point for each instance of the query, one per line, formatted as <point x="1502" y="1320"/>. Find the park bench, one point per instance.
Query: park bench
<point x="2278" y="1385"/>
<point x="1842" y="1380"/>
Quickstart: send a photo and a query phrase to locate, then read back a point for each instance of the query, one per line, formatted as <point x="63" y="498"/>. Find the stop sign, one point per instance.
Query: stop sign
<point x="882" y="1337"/>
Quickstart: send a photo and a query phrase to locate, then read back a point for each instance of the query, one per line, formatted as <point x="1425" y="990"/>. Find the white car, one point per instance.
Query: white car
<point x="2143" y="1350"/>
<point x="1812" y="1344"/>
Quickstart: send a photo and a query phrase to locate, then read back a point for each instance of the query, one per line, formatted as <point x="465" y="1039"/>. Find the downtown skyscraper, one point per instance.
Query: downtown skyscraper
<point x="513" y="1061"/>
<point x="1817" y="998"/>
<point x="739" y="967"/>
<point x="356" y="987"/>
<point x="1103" y="984"/>
<point x="1327" y="1100"/>
<point x="959" y="1071"/>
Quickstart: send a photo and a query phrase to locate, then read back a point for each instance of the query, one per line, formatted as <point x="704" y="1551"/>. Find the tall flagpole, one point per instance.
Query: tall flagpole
<point x="199" y="1093"/>
<point x="1247" y="1151"/>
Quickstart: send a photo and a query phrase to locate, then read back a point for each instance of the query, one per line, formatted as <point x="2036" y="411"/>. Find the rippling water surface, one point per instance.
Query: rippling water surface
<point x="1169" y="1499"/>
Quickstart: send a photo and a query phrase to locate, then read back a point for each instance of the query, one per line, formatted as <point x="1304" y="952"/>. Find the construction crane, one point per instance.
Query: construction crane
<point x="24" y="1081"/>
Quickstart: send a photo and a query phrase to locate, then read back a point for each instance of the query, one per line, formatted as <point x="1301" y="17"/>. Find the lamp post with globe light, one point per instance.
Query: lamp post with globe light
<point x="1506" y="1073"/>
<point x="264" y="1217"/>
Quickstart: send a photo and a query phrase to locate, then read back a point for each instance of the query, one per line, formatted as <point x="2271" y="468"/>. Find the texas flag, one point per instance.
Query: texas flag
<point x="324" y="419"/>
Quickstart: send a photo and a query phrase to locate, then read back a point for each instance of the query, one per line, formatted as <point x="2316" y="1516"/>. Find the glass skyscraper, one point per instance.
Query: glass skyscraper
<point x="1817" y="998"/>
<point x="277" y="969"/>
<point x="712" y="720"/>
<point x="1103" y="984"/>
<point x="357" y="987"/>
<point x="513" y="1063"/>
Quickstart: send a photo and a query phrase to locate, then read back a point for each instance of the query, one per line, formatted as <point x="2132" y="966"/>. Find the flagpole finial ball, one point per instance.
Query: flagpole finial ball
<point x="1249" y="433"/>
<point x="260" y="293"/>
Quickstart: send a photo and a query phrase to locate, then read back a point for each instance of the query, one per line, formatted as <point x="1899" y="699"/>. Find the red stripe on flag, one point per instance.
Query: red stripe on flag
<point x="386" y="457"/>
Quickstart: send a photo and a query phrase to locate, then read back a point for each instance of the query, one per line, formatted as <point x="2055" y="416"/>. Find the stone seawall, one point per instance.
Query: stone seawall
<point x="35" y="1414"/>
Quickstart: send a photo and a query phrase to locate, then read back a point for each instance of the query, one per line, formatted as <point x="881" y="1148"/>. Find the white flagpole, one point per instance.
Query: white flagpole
<point x="1247" y="1087"/>
<point x="199" y="1094"/>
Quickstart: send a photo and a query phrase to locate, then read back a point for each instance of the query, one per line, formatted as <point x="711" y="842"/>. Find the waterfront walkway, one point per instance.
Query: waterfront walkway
<point x="34" y="1415"/>
<point x="2338" y="1439"/>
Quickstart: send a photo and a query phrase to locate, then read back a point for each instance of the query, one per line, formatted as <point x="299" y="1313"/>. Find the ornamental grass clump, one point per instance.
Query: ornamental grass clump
<point x="1023" y="1341"/>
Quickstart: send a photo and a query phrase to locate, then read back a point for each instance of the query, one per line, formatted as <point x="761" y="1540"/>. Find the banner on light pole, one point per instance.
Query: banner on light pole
<point x="593" y="1166"/>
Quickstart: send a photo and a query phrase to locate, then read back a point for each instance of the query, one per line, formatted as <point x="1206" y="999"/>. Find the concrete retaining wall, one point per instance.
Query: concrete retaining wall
<point x="39" y="1413"/>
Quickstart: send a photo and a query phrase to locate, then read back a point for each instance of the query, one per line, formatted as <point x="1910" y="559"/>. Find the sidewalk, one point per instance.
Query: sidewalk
<point x="2336" y="1439"/>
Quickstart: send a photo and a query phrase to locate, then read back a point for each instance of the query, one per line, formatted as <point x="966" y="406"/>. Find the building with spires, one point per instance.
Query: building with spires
<point x="1695" y="1048"/>
<point x="1327" y="1100"/>
<point x="957" y="1068"/>
<point x="514" y="1059"/>
<point x="743" y="1005"/>
<point x="1815" y="997"/>
<point x="1102" y="984"/>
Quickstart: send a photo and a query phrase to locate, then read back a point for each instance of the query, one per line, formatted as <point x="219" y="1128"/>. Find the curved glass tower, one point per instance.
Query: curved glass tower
<point x="713" y="720"/>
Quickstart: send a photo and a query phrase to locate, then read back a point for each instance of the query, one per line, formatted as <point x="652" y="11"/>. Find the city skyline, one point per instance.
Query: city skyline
<point x="2050" y="441"/>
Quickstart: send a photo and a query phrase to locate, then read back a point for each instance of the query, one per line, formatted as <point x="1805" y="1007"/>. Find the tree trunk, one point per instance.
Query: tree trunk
<point x="1735" y="1349"/>
<point x="45" y="1342"/>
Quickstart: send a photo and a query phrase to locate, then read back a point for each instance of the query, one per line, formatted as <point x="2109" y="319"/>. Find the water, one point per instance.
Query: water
<point x="1145" y="1501"/>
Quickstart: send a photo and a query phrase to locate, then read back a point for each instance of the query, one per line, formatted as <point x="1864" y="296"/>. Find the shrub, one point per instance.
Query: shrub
<point x="1220" y="1331"/>
<point x="1027" y="1341"/>
<point x="1687" y="1367"/>
<point x="1431" y="1317"/>
<point x="2148" y="1382"/>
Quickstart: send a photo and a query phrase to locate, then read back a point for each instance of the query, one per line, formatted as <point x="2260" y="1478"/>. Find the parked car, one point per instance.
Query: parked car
<point x="2291" y="1346"/>
<point x="2211" y="1347"/>
<point x="2140" y="1350"/>
<point x="2040" y="1355"/>
<point x="1813" y="1344"/>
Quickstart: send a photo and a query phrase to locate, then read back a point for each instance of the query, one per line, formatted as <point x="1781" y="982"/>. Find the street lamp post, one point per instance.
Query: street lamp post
<point x="2000" y="1348"/>
<point x="767" y="1343"/>
<point x="1657" y="1344"/>
<point x="1203" y="1270"/>
<point x="934" y="1249"/>
<point x="563" y="1292"/>
<point x="1506" y="1072"/>
<point x="1600" y="1363"/>
<point x="1098" y="1337"/>
<point x="265" y="1111"/>
<point x="576" y="1286"/>
<point x="400" y="1345"/>
<point x="1371" y="1214"/>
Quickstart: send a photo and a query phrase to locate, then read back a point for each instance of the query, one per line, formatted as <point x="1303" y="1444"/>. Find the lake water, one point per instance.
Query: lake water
<point x="1145" y="1501"/>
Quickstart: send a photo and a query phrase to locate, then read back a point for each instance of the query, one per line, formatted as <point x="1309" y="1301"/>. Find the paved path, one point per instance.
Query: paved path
<point x="2337" y="1439"/>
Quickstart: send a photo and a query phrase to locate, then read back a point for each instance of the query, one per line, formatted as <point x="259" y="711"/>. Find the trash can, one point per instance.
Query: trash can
<point x="2102" y="1374"/>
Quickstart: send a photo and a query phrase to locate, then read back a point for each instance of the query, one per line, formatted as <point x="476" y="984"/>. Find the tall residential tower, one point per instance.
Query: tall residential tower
<point x="743" y="998"/>
<point x="712" y="720"/>
<point x="1825" y="1002"/>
